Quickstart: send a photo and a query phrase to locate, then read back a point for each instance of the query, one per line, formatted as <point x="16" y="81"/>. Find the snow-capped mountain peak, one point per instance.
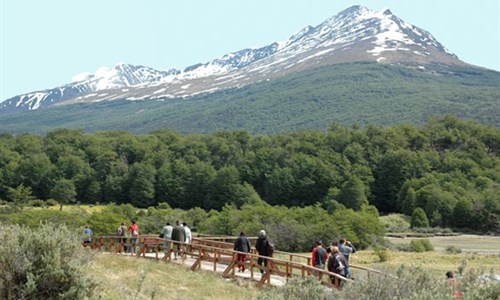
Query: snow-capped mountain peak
<point x="355" y="34"/>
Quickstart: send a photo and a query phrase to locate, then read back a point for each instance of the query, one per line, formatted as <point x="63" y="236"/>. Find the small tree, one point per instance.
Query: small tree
<point x="419" y="218"/>
<point x="64" y="191"/>
<point x="20" y="195"/>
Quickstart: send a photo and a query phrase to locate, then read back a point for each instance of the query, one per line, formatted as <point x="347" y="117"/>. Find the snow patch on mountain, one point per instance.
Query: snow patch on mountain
<point x="371" y="35"/>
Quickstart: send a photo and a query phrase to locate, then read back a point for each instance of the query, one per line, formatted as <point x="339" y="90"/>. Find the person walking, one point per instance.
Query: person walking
<point x="188" y="237"/>
<point x="346" y="248"/>
<point x="134" y="237"/>
<point x="121" y="232"/>
<point x="336" y="264"/>
<point x="319" y="257"/>
<point x="167" y="236"/>
<point x="242" y="244"/>
<point x="179" y="236"/>
<point x="262" y="246"/>
<point x="87" y="235"/>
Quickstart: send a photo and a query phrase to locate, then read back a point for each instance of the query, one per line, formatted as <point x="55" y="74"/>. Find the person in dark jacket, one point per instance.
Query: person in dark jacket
<point x="242" y="244"/>
<point x="262" y="246"/>
<point x="179" y="236"/>
<point x="336" y="264"/>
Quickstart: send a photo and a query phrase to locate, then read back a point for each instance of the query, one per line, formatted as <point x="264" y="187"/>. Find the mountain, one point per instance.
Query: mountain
<point x="361" y="43"/>
<point x="355" y="34"/>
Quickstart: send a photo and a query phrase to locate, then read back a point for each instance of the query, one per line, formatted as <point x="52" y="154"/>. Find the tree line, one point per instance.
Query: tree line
<point x="448" y="168"/>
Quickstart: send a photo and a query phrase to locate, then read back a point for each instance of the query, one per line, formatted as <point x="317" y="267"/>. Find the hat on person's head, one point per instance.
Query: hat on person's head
<point x="262" y="233"/>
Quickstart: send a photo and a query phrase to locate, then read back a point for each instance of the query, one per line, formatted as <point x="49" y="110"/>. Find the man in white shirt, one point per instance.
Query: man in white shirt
<point x="188" y="236"/>
<point x="167" y="235"/>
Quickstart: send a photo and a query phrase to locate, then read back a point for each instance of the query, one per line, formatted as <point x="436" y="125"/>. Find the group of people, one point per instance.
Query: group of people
<point x="264" y="248"/>
<point x="180" y="233"/>
<point x="335" y="258"/>
<point x="133" y="231"/>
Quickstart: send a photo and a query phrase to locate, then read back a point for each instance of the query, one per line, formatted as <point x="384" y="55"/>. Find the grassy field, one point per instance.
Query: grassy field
<point x="126" y="277"/>
<point x="466" y="242"/>
<point x="435" y="262"/>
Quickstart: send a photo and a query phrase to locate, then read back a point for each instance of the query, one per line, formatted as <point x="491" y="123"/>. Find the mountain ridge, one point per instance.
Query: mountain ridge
<point x="354" y="34"/>
<point x="360" y="93"/>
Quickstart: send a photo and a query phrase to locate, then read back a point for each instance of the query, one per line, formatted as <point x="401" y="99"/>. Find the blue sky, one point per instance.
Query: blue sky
<point x="45" y="43"/>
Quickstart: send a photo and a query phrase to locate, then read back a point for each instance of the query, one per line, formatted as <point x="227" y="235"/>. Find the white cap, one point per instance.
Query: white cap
<point x="262" y="232"/>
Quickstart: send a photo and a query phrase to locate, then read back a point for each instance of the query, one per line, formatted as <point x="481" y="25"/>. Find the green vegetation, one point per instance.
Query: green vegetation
<point x="291" y="229"/>
<point x="351" y="93"/>
<point x="447" y="170"/>
<point x="43" y="263"/>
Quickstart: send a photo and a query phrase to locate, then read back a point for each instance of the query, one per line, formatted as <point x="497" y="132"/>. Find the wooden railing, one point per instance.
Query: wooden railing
<point x="219" y="252"/>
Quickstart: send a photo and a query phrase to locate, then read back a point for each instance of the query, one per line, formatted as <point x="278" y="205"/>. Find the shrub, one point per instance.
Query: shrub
<point x="427" y="244"/>
<point x="421" y="245"/>
<point x="453" y="250"/>
<point x="51" y="202"/>
<point x="404" y="247"/>
<point x="307" y="288"/>
<point x="419" y="218"/>
<point x="43" y="263"/>
<point x="409" y="284"/>
<point x="383" y="255"/>
<point x="396" y="223"/>
<point x="36" y="203"/>
<point x="417" y="246"/>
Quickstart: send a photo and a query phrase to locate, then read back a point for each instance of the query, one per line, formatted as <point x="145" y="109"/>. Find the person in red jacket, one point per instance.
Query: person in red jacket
<point x="134" y="237"/>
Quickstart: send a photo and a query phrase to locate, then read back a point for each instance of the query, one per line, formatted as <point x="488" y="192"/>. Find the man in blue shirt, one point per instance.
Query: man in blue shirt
<point x="346" y="248"/>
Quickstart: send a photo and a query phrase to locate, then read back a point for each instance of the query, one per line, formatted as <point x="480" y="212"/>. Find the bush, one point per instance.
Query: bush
<point x="453" y="250"/>
<point x="36" y="203"/>
<point x="307" y="288"/>
<point x="427" y="245"/>
<point x="419" y="218"/>
<point x="383" y="255"/>
<point x="43" y="263"/>
<point x="51" y="202"/>
<point x="421" y="245"/>
<point x="417" y="246"/>
<point x="396" y="223"/>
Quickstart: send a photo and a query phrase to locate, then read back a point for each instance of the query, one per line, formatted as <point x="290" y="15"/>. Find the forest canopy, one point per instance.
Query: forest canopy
<point x="448" y="168"/>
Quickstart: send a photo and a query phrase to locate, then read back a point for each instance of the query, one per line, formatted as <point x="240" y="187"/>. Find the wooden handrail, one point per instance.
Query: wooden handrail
<point x="218" y="252"/>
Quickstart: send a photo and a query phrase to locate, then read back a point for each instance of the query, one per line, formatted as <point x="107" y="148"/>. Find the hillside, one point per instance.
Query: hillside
<point x="349" y="93"/>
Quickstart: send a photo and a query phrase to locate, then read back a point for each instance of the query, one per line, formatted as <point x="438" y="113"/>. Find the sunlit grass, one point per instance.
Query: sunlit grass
<point x="121" y="277"/>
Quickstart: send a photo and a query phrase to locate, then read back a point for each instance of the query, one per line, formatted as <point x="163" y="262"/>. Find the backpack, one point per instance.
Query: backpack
<point x="270" y="247"/>
<point x="119" y="231"/>
<point x="337" y="263"/>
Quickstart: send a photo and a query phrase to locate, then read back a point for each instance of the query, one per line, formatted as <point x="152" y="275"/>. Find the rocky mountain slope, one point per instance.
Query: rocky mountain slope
<point x="353" y="35"/>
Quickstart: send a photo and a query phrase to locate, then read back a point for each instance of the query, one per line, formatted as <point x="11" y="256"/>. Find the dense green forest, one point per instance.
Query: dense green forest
<point x="449" y="168"/>
<point x="351" y="93"/>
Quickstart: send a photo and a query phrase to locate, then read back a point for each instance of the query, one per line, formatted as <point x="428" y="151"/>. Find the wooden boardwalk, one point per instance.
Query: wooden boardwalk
<point x="216" y="254"/>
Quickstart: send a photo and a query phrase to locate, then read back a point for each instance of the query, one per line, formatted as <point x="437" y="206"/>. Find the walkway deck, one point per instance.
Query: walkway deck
<point x="216" y="254"/>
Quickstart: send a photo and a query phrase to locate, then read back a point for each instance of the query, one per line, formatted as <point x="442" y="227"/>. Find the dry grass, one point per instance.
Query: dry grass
<point x="435" y="262"/>
<point x="125" y="277"/>
<point x="479" y="252"/>
<point x="466" y="242"/>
